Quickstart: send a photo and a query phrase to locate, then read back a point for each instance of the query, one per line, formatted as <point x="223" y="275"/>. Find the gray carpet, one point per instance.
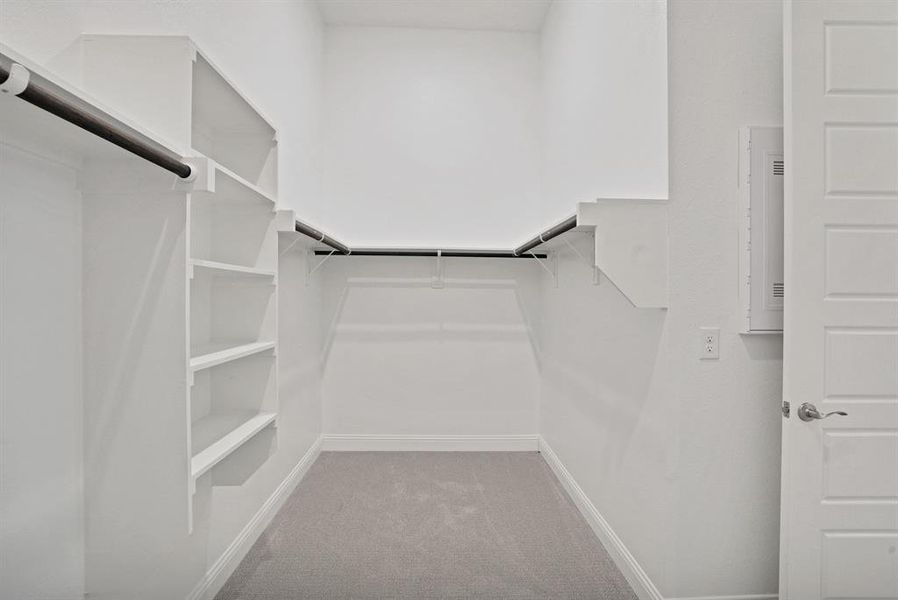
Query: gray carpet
<point x="423" y="525"/>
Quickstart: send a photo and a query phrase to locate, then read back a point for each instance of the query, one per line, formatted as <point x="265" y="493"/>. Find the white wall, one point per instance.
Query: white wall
<point x="710" y="99"/>
<point x="405" y="358"/>
<point x="271" y="50"/>
<point x="605" y="409"/>
<point x="604" y="103"/>
<point x="41" y="467"/>
<point x="431" y="137"/>
<point x="681" y="456"/>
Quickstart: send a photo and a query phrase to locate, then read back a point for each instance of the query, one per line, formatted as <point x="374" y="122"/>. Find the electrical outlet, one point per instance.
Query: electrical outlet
<point x="710" y="338"/>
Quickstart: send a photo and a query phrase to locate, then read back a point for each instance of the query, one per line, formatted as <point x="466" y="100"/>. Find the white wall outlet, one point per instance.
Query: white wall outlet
<point x="710" y="348"/>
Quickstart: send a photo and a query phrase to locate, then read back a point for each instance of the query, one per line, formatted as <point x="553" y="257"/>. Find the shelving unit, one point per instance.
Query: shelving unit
<point x="220" y="257"/>
<point x="233" y="283"/>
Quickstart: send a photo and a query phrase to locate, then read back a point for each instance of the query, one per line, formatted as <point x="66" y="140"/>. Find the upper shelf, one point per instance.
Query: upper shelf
<point x="227" y="128"/>
<point x="228" y="186"/>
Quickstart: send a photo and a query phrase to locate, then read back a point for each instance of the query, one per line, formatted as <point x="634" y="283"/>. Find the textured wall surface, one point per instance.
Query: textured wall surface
<point x="405" y="358"/>
<point x="41" y="447"/>
<point x="603" y="69"/>
<point x="726" y="72"/>
<point x="681" y="456"/>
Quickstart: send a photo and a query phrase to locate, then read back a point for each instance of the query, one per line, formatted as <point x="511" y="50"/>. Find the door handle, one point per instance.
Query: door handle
<point x="809" y="412"/>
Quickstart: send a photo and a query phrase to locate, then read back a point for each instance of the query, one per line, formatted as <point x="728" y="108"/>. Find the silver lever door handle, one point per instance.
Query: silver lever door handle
<point x="809" y="412"/>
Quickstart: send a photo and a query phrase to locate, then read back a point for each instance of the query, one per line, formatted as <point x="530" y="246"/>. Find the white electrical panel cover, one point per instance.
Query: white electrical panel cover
<point x="761" y="173"/>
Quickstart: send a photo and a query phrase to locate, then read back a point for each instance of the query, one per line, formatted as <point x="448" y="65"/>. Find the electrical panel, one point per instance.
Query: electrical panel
<point x="761" y="174"/>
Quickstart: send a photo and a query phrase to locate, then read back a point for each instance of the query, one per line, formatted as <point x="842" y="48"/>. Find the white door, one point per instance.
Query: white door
<point x="840" y="474"/>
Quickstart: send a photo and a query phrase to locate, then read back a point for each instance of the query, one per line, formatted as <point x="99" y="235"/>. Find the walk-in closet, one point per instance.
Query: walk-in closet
<point x="432" y="299"/>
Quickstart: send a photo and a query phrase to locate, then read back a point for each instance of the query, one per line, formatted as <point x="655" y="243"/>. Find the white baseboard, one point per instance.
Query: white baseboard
<point x="636" y="576"/>
<point x="218" y="574"/>
<point x="632" y="571"/>
<point x="742" y="597"/>
<point x="337" y="442"/>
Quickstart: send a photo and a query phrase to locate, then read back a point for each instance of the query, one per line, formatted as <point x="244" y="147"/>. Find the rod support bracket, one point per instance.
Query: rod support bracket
<point x="589" y="263"/>
<point x="437" y="281"/>
<point x="18" y="80"/>
<point x="552" y="269"/>
<point x="191" y="177"/>
<point x="310" y="270"/>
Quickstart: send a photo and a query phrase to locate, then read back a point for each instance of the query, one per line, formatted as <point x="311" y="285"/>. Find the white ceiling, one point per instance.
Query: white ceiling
<point x="502" y="15"/>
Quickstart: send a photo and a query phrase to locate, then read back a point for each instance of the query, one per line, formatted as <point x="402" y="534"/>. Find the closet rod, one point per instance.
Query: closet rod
<point x="31" y="87"/>
<point x="434" y="253"/>
<point x="319" y="236"/>
<point x="525" y="250"/>
<point x="546" y="235"/>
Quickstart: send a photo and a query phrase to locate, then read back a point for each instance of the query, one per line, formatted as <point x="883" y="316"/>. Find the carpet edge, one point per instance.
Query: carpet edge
<point x="338" y="442"/>
<point x="632" y="571"/>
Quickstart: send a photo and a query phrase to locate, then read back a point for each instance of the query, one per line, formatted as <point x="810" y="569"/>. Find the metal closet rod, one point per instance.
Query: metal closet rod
<point x="433" y="253"/>
<point x="35" y="89"/>
<point x="525" y="250"/>
<point x="545" y="236"/>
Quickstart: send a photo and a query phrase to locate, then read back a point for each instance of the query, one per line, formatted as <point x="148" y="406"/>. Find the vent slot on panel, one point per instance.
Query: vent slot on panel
<point x="762" y="168"/>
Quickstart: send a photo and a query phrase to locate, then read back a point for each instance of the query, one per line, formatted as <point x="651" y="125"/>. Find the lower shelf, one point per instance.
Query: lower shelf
<point x="218" y="435"/>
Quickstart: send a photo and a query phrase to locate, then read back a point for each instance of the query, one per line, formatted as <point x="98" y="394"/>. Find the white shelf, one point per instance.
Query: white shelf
<point x="231" y="220"/>
<point x="216" y="436"/>
<point x="213" y="354"/>
<point x="220" y="103"/>
<point x="630" y="246"/>
<point x="233" y="186"/>
<point x="229" y="269"/>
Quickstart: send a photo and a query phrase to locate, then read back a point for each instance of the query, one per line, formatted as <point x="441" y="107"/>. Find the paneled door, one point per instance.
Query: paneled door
<point x="840" y="471"/>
